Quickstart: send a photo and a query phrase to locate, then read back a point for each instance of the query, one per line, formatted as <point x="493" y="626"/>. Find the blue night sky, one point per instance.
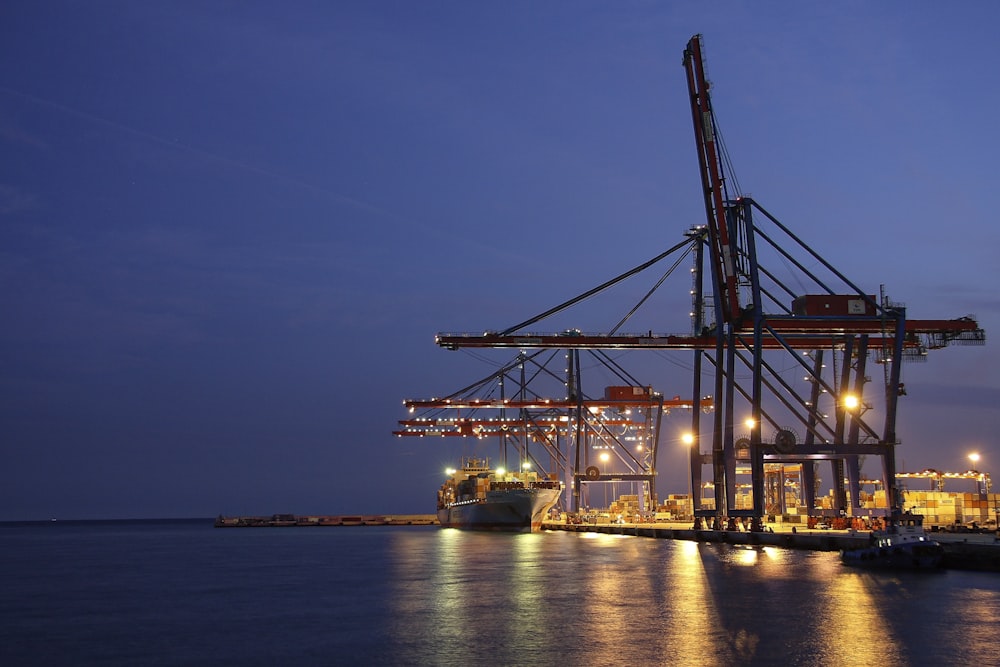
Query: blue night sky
<point x="230" y="230"/>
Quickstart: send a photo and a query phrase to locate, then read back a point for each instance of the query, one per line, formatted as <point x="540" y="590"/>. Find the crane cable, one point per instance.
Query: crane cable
<point x="655" y="287"/>
<point x="596" y="290"/>
<point x="727" y="163"/>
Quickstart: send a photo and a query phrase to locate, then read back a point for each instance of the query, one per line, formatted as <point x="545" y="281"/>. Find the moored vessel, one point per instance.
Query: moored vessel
<point x="478" y="497"/>
<point x="902" y="545"/>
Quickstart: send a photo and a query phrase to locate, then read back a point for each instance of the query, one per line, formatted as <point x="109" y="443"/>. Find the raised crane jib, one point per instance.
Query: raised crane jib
<point x="721" y="244"/>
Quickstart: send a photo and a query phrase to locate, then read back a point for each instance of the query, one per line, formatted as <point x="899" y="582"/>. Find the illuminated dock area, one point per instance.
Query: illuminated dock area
<point x="778" y="536"/>
<point x="963" y="551"/>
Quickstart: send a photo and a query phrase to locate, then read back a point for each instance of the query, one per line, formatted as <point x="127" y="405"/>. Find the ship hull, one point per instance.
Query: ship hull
<point x="516" y="510"/>
<point x="907" y="556"/>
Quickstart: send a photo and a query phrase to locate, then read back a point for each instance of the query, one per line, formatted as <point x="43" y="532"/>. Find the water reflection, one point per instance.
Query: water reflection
<point x="975" y="623"/>
<point x="690" y="614"/>
<point x="525" y="596"/>
<point x="615" y="590"/>
<point x="426" y="585"/>
<point x="556" y="598"/>
<point x="854" y="628"/>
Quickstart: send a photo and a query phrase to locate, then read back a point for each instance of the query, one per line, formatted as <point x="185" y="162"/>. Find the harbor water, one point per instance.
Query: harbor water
<point x="184" y="593"/>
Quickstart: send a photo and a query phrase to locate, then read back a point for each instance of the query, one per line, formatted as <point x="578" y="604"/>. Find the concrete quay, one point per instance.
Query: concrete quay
<point x="963" y="551"/>
<point x="785" y="537"/>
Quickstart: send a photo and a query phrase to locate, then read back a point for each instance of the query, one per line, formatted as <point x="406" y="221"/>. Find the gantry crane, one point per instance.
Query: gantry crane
<point x="577" y="438"/>
<point x="747" y="316"/>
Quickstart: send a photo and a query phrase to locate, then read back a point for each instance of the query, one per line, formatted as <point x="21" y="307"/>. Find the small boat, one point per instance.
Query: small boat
<point x="903" y="545"/>
<point x="478" y="497"/>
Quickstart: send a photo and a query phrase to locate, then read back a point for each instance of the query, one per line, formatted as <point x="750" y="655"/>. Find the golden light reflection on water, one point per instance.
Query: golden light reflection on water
<point x="747" y="556"/>
<point x="693" y="618"/>
<point x="608" y="599"/>
<point x="854" y="627"/>
<point x="469" y="583"/>
<point x="769" y="558"/>
<point x="442" y="612"/>
<point x="978" y="621"/>
<point x="526" y="594"/>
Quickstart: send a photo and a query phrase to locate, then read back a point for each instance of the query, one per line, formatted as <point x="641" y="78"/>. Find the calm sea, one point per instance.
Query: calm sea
<point x="185" y="593"/>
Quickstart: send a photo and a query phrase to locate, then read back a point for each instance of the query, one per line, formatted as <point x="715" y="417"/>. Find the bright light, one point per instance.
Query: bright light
<point x="688" y="438"/>
<point x="851" y="402"/>
<point x="749" y="423"/>
<point x="526" y="465"/>
<point x="604" y="457"/>
<point x="974" y="457"/>
<point x="501" y="472"/>
<point x="450" y="471"/>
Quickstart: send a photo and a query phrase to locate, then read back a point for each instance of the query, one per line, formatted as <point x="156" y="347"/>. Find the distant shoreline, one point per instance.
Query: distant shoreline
<point x="57" y="521"/>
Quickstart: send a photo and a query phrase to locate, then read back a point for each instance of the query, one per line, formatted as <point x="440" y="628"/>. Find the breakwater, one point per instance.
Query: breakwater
<point x="292" y="520"/>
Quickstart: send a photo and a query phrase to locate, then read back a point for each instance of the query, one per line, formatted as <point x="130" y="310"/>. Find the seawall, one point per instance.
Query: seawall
<point x="962" y="552"/>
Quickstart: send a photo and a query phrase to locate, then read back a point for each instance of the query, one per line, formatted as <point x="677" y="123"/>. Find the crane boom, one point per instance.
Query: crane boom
<point x="802" y="333"/>
<point x="720" y="241"/>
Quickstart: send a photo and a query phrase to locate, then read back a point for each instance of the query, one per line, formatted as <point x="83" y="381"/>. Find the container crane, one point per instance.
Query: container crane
<point x="758" y="317"/>
<point x="559" y="436"/>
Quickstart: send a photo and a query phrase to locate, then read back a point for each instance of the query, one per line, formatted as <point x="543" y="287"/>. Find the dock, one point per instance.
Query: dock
<point x="963" y="551"/>
<point x="813" y="540"/>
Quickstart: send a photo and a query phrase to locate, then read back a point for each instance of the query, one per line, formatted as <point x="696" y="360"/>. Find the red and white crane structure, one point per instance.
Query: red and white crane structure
<point x="578" y="438"/>
<point x="746" y="316"/>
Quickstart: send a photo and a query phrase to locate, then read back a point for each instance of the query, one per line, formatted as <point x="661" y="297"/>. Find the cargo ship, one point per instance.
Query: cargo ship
<point x="477" y="497"/>
<point x="903" y="545"/>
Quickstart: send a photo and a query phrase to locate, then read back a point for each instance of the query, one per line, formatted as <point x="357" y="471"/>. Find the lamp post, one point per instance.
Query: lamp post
<point x="605" y="457"/>
<point x="688" y="439"/>
<point x="974" y="459"/>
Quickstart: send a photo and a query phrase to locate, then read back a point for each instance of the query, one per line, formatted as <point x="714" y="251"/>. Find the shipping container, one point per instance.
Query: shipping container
<point x="816" y="305"/>
<point x="627" y="393"/>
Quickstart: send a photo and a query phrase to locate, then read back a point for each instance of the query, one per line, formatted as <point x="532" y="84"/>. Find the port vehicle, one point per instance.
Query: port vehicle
<point x="902" y="545"/>
<point x="479" y="497"/>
